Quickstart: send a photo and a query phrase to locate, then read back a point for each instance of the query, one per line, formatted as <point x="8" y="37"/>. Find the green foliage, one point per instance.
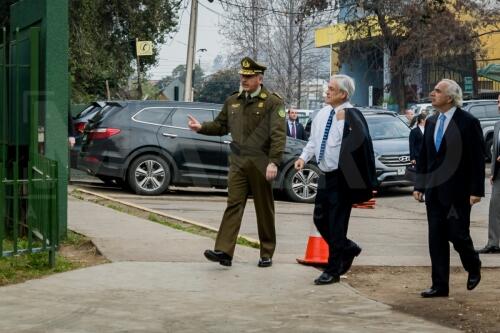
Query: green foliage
<point x="102" y="37"/>
<point x="219" y="86"/>
<point x="24" y="267"/>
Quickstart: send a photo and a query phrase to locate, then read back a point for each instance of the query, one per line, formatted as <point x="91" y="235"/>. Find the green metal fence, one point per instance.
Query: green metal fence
<point x="28" y="180"/>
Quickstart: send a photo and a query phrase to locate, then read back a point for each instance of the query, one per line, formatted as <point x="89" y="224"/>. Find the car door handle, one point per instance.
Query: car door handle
<point x="227" y="142"/>
<point x="169" y="135"/>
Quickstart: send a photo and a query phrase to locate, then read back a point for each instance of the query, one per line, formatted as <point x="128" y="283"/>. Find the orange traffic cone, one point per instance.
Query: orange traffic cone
<point x="370" y="204"/>
<point x="316" y="251"/>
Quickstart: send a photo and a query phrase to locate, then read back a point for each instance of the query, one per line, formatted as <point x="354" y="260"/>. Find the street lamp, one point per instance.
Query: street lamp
<point x="199" y="57"/>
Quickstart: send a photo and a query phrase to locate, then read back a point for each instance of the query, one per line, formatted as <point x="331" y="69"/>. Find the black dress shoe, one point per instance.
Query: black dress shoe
<point x="327" y="278"/>
<point x="265" y="262"/>
<point x="218" y="256"/>
<point x="474" y="278"/>
<point x="431" y="292"/>
<point x="489" y="249"/>
<point x="348" y="259"/>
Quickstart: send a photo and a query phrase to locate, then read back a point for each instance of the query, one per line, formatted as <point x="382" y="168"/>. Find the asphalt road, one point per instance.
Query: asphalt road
<point x="394" y="233"/>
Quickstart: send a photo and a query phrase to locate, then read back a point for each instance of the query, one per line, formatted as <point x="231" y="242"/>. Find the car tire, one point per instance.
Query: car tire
<point x="302" y="186"/>
<point x="149" y="175"/>
<point x="489" y="147"/>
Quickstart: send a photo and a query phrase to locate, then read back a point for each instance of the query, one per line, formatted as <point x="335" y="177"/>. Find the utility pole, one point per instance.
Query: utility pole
<point x="188" y="86"/>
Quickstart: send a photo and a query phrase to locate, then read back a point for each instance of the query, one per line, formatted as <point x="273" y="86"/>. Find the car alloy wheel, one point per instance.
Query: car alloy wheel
<point x="149" y="175"/>
<point x="302" y="186"/>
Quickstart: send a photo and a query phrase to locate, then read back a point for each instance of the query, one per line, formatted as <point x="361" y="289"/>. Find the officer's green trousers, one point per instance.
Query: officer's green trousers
<point x="247" y="174"/>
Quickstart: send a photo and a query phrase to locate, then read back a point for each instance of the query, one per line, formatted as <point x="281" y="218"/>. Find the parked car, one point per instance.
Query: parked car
<point x="79" y="123"/>
<point x="391" y="147"/>
<point x="147" y="146"/>
<point x="486" y="110"/>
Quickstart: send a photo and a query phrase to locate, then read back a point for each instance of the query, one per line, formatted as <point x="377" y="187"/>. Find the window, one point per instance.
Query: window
<point x="180" y="119"/>
<point x="153" y="115"/>
<point x="477" y="111"/>
<point x="387" y="127"/>
<point x="492" y="111"/>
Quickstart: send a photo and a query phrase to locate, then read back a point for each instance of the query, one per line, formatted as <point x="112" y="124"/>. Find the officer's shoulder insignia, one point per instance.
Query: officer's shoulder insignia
<point x="276" y="94"/>
<point x="235" y="105"/>
<point x="261" y="104"/>
<point x="281" y="112"/>
<point x="263" y="95"/>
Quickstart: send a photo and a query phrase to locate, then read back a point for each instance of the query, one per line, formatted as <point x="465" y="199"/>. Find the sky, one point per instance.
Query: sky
<point x="174" y="51"/>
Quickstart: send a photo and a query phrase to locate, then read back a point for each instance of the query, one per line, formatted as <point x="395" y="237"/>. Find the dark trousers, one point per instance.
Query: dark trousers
<point x="331" y="217"/>
<point x="449" y="223"/>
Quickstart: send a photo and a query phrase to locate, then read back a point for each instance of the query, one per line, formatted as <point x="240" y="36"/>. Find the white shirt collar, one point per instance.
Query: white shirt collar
<point x="449" y="114"/>
<point x="345" y="105"/>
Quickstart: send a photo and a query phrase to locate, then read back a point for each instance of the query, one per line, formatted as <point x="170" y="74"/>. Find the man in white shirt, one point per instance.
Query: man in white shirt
<point x="341" y="143"/>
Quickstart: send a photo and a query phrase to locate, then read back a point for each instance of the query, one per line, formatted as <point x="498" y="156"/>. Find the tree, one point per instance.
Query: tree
<point x="278" y="34"/>
<point x="102" y="35"/>
<point x="219" y="86"/>
<point x="440" y="35"/>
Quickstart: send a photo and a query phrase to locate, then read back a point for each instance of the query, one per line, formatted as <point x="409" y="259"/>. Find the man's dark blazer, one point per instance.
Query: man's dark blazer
<point x="299" y="130"/>
<point x="495" y="165"/>
<point x="455" y="172"/>
<point x="416" y="139"/>
<point x="356" y="160"/>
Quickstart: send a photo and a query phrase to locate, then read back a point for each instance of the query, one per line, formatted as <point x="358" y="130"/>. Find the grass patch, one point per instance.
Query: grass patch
<point x="23" y="267"/>
<point x="157" y="218"/>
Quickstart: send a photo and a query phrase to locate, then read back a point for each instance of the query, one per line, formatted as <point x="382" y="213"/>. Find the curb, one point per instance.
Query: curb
<point x="172" y="217"/>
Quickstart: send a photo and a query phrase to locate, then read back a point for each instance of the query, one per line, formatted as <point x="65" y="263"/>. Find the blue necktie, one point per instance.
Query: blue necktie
<point x="325" y="136"/>
<point x="440" y="132"/>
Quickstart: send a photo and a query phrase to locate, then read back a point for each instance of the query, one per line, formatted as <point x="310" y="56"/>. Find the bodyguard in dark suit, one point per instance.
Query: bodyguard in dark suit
<point x="450" y="171"/>
<point x="341" y="143"/>
<point x="294" y="128"/>
<point x="417" y="137"/>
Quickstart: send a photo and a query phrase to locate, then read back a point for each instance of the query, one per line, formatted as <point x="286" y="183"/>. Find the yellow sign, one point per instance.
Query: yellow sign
<point x="144" y="48"/>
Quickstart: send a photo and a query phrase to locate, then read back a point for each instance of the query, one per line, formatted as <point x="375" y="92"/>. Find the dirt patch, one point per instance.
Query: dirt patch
<point x="83" y="255"/>
<point x="400" y="287"/>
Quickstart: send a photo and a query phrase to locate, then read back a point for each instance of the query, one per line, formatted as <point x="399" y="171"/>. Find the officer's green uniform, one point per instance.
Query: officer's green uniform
<point x="257" y="126"/>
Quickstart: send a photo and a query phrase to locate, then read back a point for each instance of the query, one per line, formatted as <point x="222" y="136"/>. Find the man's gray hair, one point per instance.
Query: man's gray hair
<point x="345" y="83"/>
<point x="454" y="91"/>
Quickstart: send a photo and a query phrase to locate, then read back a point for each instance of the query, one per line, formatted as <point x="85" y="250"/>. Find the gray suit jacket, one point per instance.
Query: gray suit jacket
<point x="494" y="164"/>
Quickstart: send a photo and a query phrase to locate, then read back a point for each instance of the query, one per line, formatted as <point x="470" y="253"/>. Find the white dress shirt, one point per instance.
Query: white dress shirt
<point x="448" y="114"/>
<point x="330" y="160"/>
<point x="422" y="128"/>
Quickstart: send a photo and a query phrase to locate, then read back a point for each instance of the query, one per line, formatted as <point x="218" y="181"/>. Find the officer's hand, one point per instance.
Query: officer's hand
<point x="271" y="171"/>
<point x="419" y="196"/>
<point x="299" y="164"/>
<point x="474" y="200"/>
<point x="71" y="142"/>
<point x="193" y="124"/>
<point x="491" y="180"/>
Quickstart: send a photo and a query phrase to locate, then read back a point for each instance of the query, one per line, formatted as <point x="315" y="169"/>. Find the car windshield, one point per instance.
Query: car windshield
<point x="387" y="127"/>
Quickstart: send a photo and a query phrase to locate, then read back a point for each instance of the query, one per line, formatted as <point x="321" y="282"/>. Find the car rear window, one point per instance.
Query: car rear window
<point x="153" y="115"/>
<point x="88" y="110"/>
<point x="478" y="111"/>
<point x="180" y="119"/>
<point x="387" y="127"/>
<point x="492" y="110"/>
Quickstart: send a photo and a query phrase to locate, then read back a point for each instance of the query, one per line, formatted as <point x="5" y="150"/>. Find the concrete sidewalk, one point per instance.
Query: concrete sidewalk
<point x="160" y="282"/>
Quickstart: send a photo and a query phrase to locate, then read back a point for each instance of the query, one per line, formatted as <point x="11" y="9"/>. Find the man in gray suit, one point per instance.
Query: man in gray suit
<point x="494" y="214"/>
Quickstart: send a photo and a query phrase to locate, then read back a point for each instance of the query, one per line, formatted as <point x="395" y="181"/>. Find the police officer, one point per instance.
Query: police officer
<point x="256" y="120"/>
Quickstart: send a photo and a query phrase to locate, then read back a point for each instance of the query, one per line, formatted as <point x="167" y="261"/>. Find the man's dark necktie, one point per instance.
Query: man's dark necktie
<point x="294" y="134"/>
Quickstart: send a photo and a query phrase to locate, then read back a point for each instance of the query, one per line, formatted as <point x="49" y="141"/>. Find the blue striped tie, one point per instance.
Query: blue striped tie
<point x="325" y="136"/>
<point x="440" y="131"/>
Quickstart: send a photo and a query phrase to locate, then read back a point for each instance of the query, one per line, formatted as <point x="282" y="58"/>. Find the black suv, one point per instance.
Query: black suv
<point x="147" y="146"/>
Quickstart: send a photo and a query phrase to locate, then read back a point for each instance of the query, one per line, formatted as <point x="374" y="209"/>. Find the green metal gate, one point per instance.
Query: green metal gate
<point x="29" y="218"/>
